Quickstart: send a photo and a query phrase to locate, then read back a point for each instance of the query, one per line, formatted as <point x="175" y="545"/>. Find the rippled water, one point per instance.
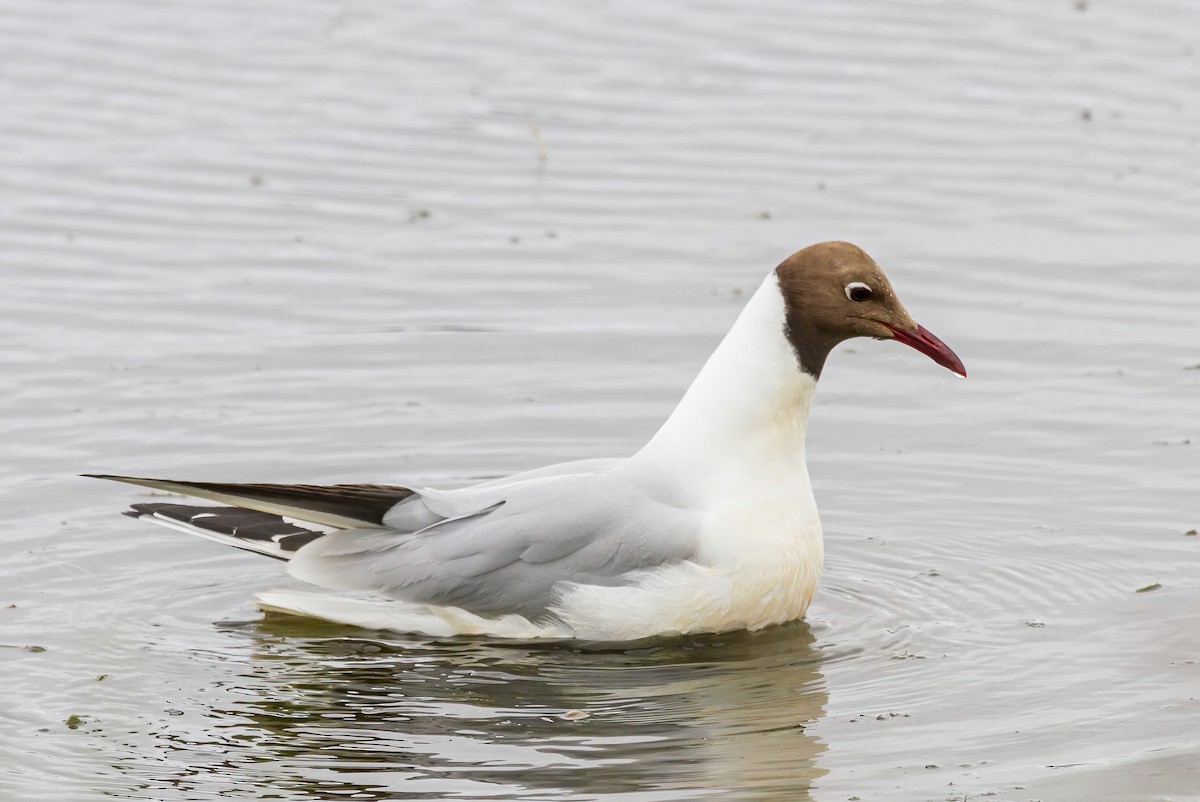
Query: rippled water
<point x="321" y="241"/>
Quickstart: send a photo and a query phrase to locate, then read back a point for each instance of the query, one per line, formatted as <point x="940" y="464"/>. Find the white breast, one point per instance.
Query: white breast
<point x="758" y="564"/>
<point x="733" y="450"/>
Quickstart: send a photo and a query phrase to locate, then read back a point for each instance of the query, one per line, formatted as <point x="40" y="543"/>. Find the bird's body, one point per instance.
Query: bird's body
<point x="712" y="526"/>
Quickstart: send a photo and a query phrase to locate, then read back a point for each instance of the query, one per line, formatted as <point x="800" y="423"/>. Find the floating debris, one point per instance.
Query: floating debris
<point x="543" y="152"/>
<point x="1149" y="588"/>
<point x="574" y="715"/>
<point x="73" y="721"/>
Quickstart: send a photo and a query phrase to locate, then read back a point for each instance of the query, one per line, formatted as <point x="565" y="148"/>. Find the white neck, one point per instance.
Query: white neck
<point x="747" y="410"/>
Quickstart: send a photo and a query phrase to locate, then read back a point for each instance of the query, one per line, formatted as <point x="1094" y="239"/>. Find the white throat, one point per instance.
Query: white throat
<point x="747" y="411"/>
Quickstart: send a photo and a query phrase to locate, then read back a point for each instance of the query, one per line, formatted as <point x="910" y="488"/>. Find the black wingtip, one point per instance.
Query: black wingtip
<point x="115" y="477"/>
<point x="342" y="505"/>
<point x="142" y="510"/>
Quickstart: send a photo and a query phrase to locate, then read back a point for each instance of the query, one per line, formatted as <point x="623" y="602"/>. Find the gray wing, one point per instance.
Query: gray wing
<point x="511" y="555"/>
<point x="428" y="506"/>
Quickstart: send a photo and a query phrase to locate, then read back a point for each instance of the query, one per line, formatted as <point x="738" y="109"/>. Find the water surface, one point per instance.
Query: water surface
<point x="357" y="241"/>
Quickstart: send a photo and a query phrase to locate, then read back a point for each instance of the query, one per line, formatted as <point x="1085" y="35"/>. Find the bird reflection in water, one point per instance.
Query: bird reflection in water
<point x="322" y="711"/>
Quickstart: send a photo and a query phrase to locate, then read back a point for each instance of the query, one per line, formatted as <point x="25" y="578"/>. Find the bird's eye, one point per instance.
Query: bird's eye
<point x="857" y="291"/>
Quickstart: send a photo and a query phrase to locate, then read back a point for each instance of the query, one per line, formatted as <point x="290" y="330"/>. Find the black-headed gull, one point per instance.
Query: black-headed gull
<point x="710" y="527"/>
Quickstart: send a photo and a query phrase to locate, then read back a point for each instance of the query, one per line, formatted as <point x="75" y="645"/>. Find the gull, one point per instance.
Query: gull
<point x="710" y="527"/>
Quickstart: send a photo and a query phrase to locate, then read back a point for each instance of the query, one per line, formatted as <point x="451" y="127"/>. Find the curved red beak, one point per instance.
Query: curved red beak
<point x="923" y="340"/>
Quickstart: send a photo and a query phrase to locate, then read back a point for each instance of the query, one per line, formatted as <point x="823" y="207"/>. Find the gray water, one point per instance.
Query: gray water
<point x="366" y="241"/>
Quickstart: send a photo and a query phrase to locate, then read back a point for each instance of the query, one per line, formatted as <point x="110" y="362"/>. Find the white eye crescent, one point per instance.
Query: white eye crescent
<point x="857" y="291"/>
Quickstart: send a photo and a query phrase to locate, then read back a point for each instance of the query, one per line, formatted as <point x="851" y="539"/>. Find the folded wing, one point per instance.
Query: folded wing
<point x="509" y="547"/>
<point x="514" y="555"/>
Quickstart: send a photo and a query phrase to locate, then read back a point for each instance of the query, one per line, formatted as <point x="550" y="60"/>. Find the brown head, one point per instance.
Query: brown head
<point x="833" y="291"/>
